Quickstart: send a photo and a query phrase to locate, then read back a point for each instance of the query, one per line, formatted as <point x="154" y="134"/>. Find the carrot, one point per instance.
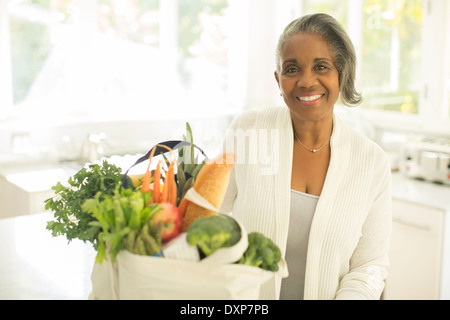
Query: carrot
<point x="156" y="183"/>
<point x="146" y="180"/>
<point x="169" y="186"/>
<point x="183" y="206"/>
<point x="167" y="183"/>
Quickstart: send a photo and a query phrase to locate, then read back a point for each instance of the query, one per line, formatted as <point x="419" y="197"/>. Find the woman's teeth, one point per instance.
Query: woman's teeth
<point x="310" y="98"/>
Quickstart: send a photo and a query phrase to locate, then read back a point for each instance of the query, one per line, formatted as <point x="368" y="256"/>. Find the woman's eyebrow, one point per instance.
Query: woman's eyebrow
<point x="315" y="60"/>
<point x="290" y="61"/>
<point x="322" y="59"/>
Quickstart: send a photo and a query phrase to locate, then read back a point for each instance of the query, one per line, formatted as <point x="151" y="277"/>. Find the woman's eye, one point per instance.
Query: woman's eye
<point x="291" y="70"/>
<point x="321" y="67"/>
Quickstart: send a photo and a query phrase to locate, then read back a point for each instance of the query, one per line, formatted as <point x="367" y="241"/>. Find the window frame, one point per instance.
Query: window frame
<point x="433" y="117"/>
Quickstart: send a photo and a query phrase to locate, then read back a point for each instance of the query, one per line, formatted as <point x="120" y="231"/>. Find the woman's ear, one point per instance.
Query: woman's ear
<point x="277" y="77"/>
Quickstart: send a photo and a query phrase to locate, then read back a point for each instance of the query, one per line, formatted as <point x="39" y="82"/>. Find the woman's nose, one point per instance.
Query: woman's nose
<point x="306" y="79"/>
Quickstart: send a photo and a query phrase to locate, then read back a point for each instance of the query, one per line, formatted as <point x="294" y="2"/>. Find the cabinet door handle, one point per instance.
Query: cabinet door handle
<point x="411" y="224"/>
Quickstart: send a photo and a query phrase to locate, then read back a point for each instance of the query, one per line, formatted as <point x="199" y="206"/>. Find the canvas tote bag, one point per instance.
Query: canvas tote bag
<point x="215" y="277"/>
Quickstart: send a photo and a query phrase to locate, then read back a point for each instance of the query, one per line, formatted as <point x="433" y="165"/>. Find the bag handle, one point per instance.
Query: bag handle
<point x="160" y="148"/>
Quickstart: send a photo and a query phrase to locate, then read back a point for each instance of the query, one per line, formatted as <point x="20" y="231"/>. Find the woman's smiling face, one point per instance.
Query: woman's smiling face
<point x="308" y="78"/>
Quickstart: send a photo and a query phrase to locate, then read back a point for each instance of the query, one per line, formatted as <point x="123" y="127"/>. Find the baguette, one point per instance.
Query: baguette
<point x="211" y="183"/>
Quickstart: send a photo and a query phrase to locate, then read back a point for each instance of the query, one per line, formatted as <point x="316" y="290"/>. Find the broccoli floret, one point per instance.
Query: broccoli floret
<point x="212" y="233"/>
<point x="261" y="252"/>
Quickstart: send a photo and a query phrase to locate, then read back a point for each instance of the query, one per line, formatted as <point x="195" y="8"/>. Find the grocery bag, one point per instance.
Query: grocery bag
<point x="105" y="281"/>
<point x="216" y="277"/>
<point x="152" y="278"/>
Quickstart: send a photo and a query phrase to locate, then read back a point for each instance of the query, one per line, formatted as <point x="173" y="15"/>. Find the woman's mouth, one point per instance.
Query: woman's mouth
<point x="310" y="99"/>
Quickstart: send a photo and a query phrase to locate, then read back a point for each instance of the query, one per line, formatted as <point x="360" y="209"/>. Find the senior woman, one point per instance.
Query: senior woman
<point x="302" y="177"/>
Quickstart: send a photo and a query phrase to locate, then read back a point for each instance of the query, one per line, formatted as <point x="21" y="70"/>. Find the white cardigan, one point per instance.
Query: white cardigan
<point x="350" y="233"/>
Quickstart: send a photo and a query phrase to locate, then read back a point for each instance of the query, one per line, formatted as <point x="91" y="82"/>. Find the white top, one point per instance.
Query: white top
<point x="303" y="206"/>
<point x="348" y="245"/>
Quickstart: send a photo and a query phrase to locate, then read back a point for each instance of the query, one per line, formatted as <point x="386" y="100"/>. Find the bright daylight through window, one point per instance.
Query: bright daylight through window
<point x="388" y="43"/>
<point x="75" y="57"/>
<point x="85" y="57"/>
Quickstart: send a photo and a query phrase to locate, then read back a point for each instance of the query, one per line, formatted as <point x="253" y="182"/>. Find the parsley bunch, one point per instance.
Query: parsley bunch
<point x="69" y="217"/>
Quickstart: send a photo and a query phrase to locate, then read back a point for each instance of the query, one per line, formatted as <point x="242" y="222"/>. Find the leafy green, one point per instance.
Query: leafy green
<point x="188" y="165"/>
<point x="70" y="220"/>
<point x="124" y="218"/>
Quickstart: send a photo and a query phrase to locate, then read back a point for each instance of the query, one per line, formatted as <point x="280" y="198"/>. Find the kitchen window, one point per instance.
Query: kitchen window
<point x="98" y="57"/>
<point x="387" y="39"/>
<point x="391" y="51"/>
<point x="403" y="56"/>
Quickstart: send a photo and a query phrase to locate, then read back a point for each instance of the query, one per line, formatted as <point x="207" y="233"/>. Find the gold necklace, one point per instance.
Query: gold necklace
<point x="312" y="150"/>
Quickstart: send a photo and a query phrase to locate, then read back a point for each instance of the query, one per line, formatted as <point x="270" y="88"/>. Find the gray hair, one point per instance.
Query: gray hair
<point x="340" y="44"/>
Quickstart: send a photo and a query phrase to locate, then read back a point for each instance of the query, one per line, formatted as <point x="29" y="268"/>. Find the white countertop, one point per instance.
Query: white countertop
<point x="421" y="192"/>
<point x="34" y="265"/>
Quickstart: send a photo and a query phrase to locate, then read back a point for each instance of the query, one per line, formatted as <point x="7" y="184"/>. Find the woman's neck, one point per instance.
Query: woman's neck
<point x="313" y="133"/>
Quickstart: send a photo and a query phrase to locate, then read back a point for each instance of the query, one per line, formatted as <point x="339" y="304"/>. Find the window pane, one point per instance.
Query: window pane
<point x="390" y="69"/>
<point x="338" y="9"/>
<point x="31" y="40"/>
<point x="87" y="57"/>
<point x="190" y="38"/>
<point x="133" y="20"/>
<point x="202" y="40"/>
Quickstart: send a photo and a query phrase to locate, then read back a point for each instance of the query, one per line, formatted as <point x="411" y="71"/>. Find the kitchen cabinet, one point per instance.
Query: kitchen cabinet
<point x="419" y="250"/>
<point x="416" y="252"/>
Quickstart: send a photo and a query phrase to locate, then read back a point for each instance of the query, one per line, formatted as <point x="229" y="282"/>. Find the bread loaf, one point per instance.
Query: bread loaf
<point x="211" y="183"/>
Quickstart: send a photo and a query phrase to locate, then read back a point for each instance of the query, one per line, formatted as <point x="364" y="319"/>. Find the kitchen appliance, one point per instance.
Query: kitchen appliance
<point x="428" y="160"/>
